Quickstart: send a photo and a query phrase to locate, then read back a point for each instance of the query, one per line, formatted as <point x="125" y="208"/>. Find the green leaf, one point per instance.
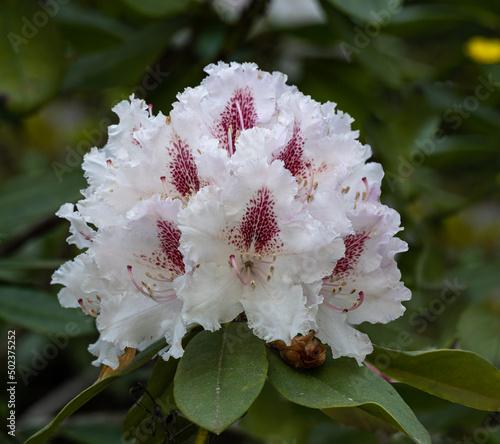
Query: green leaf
<point x="141" y="359"/>
<point x="159" y="385"/>
<point x="89" y="30"/>
<point x="272" y="418"/>
<point x="369" y="10"/>
<point x="125" y="64"/>
<point x="220" y="375"/>
<point x="159" y="8"/>
<point x="41" y="312"/>
<point x="455" y="375"/>
<point x="31" y="55"/>
<point x="93" y="432"/>
<point x="479" y="330"/>
<point x="342" y="383"/>
<point x="361" y="419"/>
<point x="29" y="199"/>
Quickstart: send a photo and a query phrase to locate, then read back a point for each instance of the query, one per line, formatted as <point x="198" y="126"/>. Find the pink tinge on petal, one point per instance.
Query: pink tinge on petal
<point x="292" y="154"/>
<point x="238" y="115"/>
<point x="183" y="170"/>
<point x="259" y="231"/>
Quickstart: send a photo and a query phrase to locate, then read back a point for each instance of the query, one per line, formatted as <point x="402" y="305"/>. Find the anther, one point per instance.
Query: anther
<point x="357" y="195"/>
<point x="168" y="120"/>
<point x="353" y="291"/>
<point x="310" y="198"/>
<point x="315" y="185"/>
<point x="252" y="284"/>
<point x="90" y="301"/>
<point x="98" y="297"/>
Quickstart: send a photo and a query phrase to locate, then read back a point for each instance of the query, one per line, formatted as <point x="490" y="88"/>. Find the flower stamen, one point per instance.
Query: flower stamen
<point x="367" y="192"/>
<point x="90" y="312"/>
<point x="232" y="260"/>
<point x="355" y="304"/>
<point x="230" y="139"/>
<point x="164" y="182"/>
<point x="129" y="269"/>
<point x="242" y="122"/>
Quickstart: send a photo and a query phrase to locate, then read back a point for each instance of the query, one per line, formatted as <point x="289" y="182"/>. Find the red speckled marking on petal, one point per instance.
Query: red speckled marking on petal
<point x="354" y="244"/>
<point x="167" y="257"/>
<point x="292" y="154"/>
<point x="230" y="117"/>
<point x="258" y="232"/>
<point x="183" y="170"/>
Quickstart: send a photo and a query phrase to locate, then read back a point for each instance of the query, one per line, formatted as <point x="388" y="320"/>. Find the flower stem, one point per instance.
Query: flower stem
<point x="203" y="436"/>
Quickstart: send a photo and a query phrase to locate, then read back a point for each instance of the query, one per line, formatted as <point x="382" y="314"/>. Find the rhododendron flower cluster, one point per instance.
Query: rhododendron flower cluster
<point x="249" y="197"/>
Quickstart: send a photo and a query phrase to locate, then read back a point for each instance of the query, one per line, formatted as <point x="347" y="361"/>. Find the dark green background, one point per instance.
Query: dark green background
<point x="430" y="113"/>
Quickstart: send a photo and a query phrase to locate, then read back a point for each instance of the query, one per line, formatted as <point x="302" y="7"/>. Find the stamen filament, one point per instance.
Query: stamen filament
<point x="145" y="293"/>
<point x="164" y="182"/>
<point x="367" y="192"/>
<point x="242" y="123"/>
<point x="235" y="266"/>
<point x="230" y="139"/>
<point x="92" y="313"/>
<point x="354" y="306"/>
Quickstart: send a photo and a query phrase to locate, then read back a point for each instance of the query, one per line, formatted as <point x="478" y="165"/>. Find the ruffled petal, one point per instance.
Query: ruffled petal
<point x="341" y="337"/>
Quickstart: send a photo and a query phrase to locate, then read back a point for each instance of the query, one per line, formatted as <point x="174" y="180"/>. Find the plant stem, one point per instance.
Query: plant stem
<point x="203" y="436"/>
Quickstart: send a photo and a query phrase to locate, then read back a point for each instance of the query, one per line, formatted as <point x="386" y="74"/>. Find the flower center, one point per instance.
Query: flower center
<point x="252" y="267"/>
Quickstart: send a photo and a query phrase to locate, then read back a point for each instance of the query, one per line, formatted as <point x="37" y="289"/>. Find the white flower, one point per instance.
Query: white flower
<point x="365" y="284"/>
<point x="232" y="99"/>
<point x="248" y="198"/>
<point x="253" y="247"/>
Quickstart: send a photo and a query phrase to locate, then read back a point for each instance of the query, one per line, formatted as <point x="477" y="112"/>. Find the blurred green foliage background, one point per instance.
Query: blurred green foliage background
<point x="409" y="72"/>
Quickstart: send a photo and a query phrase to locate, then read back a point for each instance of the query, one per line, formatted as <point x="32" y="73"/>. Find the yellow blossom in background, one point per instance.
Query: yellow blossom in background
<point x="483" y="49"/>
